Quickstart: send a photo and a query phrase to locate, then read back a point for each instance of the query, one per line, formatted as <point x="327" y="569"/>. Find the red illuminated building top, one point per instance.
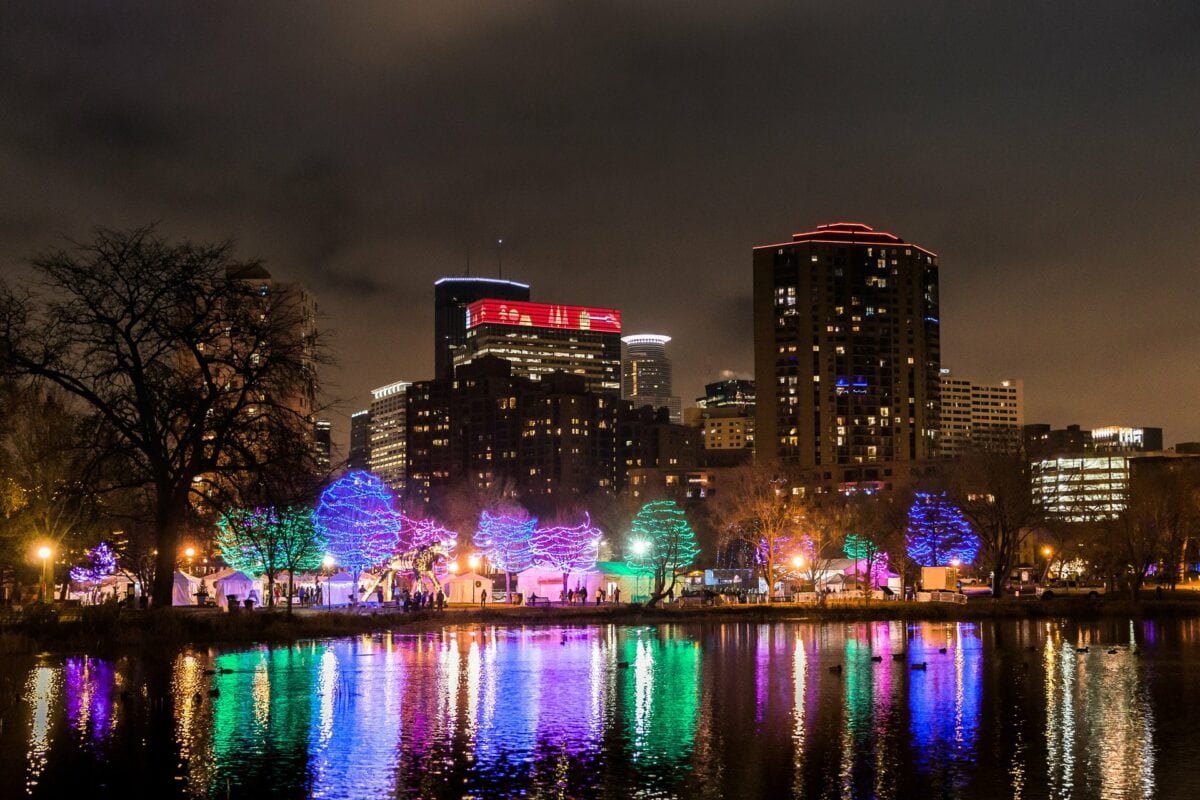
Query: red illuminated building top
<point x="849" y="233"/>
<point x="543" y="315"/>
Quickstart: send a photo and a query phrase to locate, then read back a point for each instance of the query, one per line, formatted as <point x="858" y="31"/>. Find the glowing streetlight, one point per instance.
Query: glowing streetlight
<point x="640" y="547"/>
<point x="798" y="561"/>
<point x="473" y="562"/>
<point x="190" y="552"/>
<point x="954" y="562"/>
<point x="1046" y="551"/>
<point x="453" y="567"/>
<point x="44" y="553"/>
<point x="326" y="564"/>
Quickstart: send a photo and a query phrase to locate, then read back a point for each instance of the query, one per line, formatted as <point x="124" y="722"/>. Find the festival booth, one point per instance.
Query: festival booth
<point x="467" y="588"/>
<point x="338" y="589"/>
<point x="184" y="591"/>
<point x="236" y="584"/>
<point x="615" y="579"/>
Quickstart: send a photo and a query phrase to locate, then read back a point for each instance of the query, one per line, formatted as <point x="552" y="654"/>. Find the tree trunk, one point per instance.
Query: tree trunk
<point x="270" y="590"/>
<point x="169" y="526"/>
<point x="291" y="589"/>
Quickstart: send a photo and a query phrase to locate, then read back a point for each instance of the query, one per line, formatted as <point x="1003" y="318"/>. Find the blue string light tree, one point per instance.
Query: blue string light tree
<point x="567" y="548"/>
<point x="506" y="540"/>
<point x="661" y="544"/>
<point x="358" y="518"/>
<point x="938" y="533"/>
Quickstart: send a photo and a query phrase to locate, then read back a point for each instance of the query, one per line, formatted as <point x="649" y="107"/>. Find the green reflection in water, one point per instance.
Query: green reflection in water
<point x="660" y="697"/>
<point x="262" y="716"/>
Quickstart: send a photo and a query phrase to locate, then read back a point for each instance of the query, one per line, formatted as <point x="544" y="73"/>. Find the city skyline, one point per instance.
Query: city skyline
<point x="366" y="153"/>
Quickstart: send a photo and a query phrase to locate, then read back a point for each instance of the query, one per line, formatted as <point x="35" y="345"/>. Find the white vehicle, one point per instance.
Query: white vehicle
<point x="1070" y="588"/>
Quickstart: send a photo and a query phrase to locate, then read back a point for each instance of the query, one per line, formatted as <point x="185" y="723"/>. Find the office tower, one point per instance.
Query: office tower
<point x="1126" y="439"/>
<point x="981" y="416"/>
<point x="451" y="296"/>
<point x="389" y="434"/>
<point x="541" y="338"/>
<point x="730" y="392"/>
<point x="323" y="444"/>
<point x="646" y="373"/>
<point x="360" y="440"/>
<point x="490" y="430"/>
<point x="846" y="353"/>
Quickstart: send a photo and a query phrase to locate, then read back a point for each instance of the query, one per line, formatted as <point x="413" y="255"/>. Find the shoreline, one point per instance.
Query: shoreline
<point x="103" y="629"/>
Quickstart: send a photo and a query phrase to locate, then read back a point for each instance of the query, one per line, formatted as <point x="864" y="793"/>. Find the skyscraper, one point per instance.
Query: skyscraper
<point x="360" y="440"/>
<point x="541" y="338"/>
<point x="846" y="353"/>
<point x="985" y="416"/>
<point x="323" y="444"/>
<point x="451" y="296"/>
<point x="389" y="438"/>
<point x="646" y="373"/>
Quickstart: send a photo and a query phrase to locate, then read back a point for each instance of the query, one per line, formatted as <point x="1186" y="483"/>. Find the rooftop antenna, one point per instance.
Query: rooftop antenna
<point x="500" y="257"/>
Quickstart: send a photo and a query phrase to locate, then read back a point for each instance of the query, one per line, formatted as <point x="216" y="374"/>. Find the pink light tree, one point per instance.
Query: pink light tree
<point x="567" y="549"/>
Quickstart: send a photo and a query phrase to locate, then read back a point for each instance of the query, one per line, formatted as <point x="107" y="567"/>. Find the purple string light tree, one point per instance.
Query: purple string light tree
<point x="938" y="533"/>
<point x="430" y="549"/>
<point x="567" y="549"/>
<point x="506" y="540"/>
<point x="357" y="516"/>
<point x="101" y="562"/>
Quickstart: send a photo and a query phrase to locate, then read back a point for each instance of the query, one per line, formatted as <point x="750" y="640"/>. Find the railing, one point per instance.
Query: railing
<point x="941" y="597"/>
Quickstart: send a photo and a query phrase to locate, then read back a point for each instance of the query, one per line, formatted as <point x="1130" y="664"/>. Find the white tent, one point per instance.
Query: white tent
<point x="184" y="591"/>
<point x="338" y="589"/>
<point x="466" y="588"/>
<point x="238" y="584"/>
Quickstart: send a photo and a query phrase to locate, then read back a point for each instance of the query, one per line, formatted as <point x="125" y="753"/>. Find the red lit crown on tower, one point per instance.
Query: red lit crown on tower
<point x="543" y="315"/>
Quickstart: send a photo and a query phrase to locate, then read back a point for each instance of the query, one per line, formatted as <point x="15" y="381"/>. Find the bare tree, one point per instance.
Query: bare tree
<point x="993" y="491"/>
<point x="755" y="505"/>
<point x="193" y="364"/>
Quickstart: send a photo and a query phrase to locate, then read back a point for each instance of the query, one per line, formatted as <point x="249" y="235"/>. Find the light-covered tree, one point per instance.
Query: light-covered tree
<point x="268" y="541"/>
<point x="567" y="548"/>
<point x="506" y="539"/>
<point x="661" y="544"/>
<point x="358" y="518"/>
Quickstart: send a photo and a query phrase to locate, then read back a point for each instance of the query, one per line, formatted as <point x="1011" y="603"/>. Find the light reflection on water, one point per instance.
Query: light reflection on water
<point x="1008" y="710"/>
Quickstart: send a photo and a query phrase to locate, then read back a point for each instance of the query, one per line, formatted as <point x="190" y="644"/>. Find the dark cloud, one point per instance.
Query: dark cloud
<point x="631" y="153"/>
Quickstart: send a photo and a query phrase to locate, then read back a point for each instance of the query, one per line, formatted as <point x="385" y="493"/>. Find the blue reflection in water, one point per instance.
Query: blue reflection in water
<point x="944" y="699"/>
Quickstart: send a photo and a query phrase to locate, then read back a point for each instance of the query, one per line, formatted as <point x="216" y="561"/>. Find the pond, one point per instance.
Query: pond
<point x="861" y="710"/>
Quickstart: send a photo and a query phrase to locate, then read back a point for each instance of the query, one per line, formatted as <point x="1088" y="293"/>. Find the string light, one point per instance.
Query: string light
<point x="101" y="562"/>
<point x="358" y="518"/>
<point x="938" y="532"/>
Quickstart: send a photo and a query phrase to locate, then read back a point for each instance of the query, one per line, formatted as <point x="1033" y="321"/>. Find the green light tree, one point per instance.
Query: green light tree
<point x="268" y="541"/>
<point x="661" y="544"/>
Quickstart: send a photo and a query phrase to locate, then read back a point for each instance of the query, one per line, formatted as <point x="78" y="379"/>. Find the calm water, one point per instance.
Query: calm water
<point x="1009" y="710"/>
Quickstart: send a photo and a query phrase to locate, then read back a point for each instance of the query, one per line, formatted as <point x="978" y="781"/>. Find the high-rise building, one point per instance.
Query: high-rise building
<point x="1125" y="439"/>
<point x="983" y="416"/>
<point x="360" y="440"/>
<point x="389" y="440"/>
<point x="847" y="354"/>
<point x="323" y="443"/>
<point x="646" y="373"/>
<point x="492" y="430"/>
<point x="541" y="338"/>
<point x="451" y="296"/>
<point x="730" y="392"/>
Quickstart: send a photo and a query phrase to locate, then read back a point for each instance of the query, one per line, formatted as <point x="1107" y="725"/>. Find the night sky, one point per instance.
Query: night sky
<point x="631" y="154"/>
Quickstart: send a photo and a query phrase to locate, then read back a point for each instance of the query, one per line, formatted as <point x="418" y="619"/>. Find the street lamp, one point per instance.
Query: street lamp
<point x="44" y="553"/>
<point x="453" y="567"/>
<point x="473" y="562"/>
<point x="954" y="562"/>
<point x="327" y="563"/>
